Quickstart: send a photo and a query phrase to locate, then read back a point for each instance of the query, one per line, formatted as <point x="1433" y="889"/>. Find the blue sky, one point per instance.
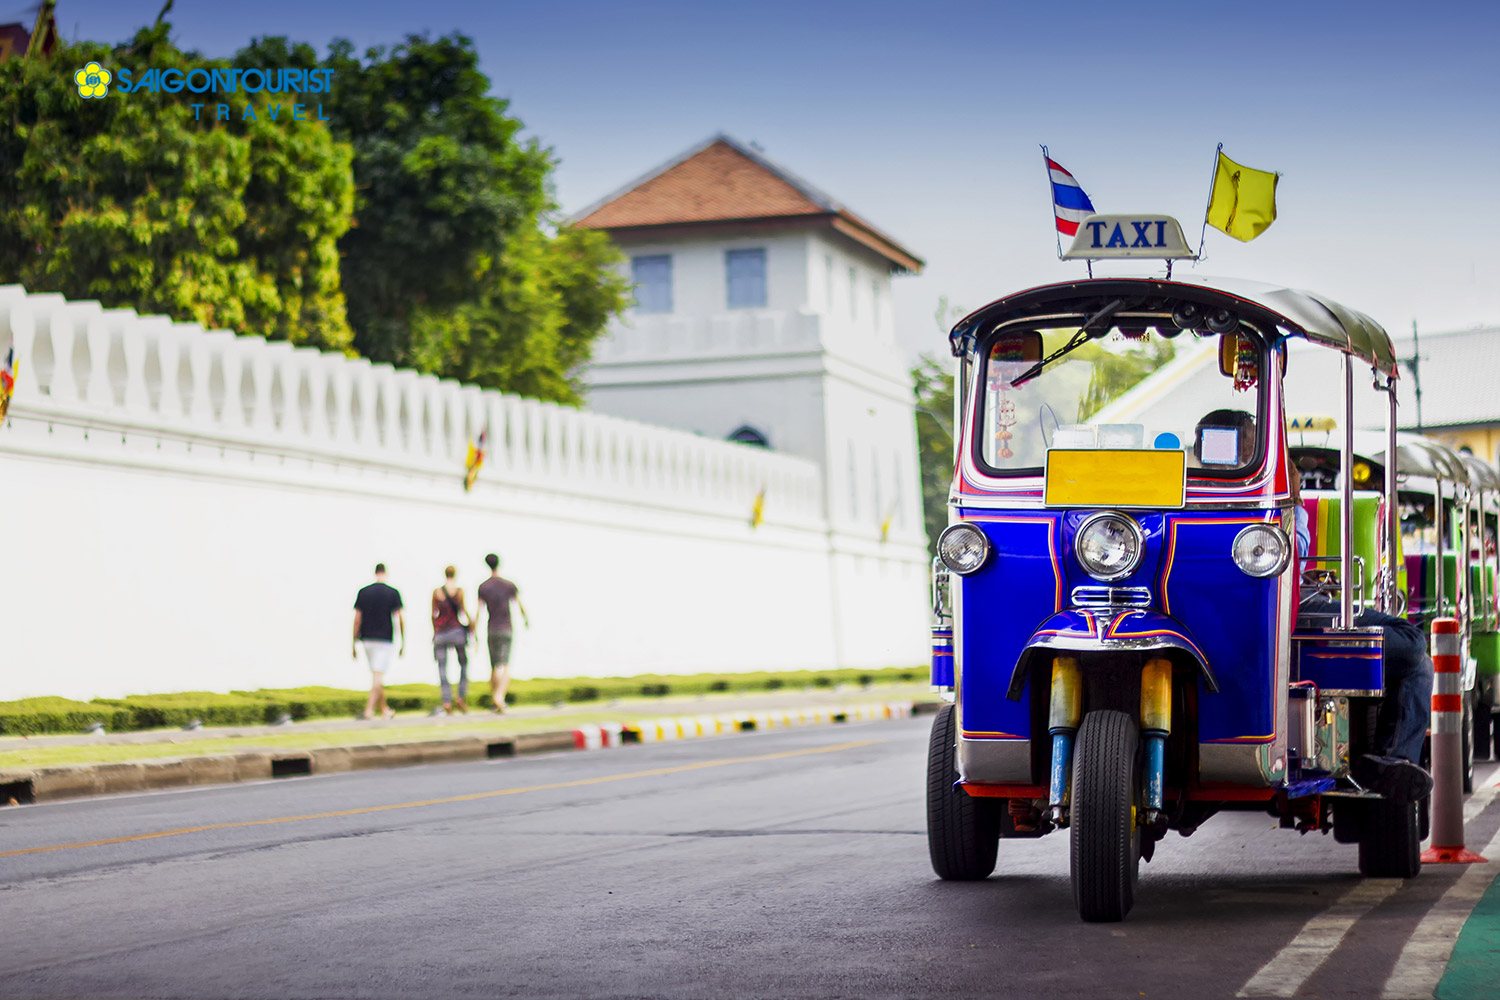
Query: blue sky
<point x="925" y="119"/>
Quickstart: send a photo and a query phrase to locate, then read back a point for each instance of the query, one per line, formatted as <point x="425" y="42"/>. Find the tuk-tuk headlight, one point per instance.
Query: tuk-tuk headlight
<point x="963" y="548"/>
<point x="1109" y="546"/>
<point x="1261" y="550"/>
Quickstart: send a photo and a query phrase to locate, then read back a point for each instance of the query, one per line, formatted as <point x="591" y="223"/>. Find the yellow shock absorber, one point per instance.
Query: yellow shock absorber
<point x="1156" y="723"/>
<point x="1156" y="696"/>
<point x="1064" y="712"/>
<point x="1066" y="709"/>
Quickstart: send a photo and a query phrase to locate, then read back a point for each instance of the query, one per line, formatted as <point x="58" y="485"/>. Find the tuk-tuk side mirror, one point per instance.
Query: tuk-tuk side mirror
<point x="1238" y="360"/>
<point x="1229" y="353"/>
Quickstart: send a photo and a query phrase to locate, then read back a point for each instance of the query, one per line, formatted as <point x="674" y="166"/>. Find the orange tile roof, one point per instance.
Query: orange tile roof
<point x="717" y="183"/>
<point x="722" y="181"/>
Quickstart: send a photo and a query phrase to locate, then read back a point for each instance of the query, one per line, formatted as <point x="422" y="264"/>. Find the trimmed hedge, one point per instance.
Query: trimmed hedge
<point x="250" y="708"/>
<point x="31" y="716"/>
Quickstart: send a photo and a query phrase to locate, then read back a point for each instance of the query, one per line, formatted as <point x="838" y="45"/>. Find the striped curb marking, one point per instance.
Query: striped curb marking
<point x="613" y="734"/>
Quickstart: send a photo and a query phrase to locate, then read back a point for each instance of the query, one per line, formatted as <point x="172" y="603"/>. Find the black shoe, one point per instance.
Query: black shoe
<point x="1395" y="779"/>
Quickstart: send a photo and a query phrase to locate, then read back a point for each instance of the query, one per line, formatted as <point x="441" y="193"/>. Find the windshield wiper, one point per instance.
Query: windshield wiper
<point x="1083" y="336"/>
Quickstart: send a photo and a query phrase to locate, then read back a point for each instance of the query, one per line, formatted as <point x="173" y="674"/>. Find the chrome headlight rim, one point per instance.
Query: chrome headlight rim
<point x="964" y="528"/>
<point x="1131" y="525"/>
<point x="1268" y="529"/>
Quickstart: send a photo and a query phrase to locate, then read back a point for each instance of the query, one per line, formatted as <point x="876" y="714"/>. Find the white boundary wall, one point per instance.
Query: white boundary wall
<point x="190" y="510"/>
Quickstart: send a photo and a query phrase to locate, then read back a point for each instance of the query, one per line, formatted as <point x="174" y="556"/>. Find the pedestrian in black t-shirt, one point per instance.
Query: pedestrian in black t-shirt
<point x="373" y="609"/>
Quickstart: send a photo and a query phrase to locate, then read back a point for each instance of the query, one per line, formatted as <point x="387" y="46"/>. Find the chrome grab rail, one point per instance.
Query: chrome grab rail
<point x="1110" y="597"/>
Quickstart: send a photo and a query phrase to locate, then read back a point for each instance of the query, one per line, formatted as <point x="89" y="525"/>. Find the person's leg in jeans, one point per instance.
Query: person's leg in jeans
<point x="1392" y="768"/>
<point x="462" y="652"/>
<point x="1408" y="683"/>
<point x="440" y="653"/>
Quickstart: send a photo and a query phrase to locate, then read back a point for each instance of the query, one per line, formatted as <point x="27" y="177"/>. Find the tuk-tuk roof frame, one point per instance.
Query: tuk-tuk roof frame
<point x="1313" y="317"/>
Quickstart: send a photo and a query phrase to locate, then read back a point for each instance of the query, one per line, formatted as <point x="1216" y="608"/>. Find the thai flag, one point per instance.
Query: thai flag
<point x="1069" y="204"/>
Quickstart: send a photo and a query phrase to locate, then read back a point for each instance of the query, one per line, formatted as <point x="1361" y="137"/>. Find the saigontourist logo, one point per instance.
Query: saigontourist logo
<point x="225" y="84"/>
<point x="93" y="80"/>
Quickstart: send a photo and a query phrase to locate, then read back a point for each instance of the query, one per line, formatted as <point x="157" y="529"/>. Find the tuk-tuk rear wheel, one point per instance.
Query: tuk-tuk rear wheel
<point x="963" y="833"/>
<point x="1392" y="844"/>
<point x="1105" y="835"/>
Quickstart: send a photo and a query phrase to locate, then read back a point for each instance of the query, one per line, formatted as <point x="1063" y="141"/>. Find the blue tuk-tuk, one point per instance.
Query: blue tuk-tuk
<point x="1117" y="592"/>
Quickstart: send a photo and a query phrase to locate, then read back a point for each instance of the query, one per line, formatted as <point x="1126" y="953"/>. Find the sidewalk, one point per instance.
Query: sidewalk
<point x="43" y="768"/>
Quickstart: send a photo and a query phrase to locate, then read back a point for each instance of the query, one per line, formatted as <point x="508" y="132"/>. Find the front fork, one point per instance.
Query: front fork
<point x="1065" y="711"/>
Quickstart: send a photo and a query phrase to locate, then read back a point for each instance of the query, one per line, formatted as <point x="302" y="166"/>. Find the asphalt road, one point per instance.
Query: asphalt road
<point x="785" y="864"/>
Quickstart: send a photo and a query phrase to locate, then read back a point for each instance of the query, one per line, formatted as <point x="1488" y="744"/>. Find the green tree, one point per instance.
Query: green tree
<point x="456" y="264"/>
<point x="933" y="382"/>
<point x="131" y="200"/>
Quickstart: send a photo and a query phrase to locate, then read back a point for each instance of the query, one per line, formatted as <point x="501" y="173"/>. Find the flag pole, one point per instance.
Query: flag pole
<point x="1047" y="166"/>
<point x="1212" y="178"/>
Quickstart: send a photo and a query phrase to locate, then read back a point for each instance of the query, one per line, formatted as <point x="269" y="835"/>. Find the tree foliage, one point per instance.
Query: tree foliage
<point x="130" y="200"/>
<point x="933" y="385"/>
<point x="455" y="264"/>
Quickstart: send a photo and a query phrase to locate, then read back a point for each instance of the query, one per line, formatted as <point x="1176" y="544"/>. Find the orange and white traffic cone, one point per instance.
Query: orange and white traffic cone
<point x="1447" y="749"/>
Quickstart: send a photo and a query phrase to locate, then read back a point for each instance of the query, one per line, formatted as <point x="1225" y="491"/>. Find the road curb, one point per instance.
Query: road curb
<point x="50" y="784"/>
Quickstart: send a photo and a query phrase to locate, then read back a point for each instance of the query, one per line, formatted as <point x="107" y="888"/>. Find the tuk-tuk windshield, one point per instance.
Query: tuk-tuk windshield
<point x="1054" y="389"/>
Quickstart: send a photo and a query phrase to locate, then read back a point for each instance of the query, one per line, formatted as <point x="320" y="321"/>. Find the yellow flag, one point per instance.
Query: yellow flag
<point x="1243" y="202"/>
<point x="758" y="512"/>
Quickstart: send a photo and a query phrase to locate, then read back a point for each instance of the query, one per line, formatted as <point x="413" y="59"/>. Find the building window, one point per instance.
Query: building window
<point x="828" y="282"/>
<point x="745" y="271"/>
<point x="653" y="283"/>
<point x="853" y="293"/>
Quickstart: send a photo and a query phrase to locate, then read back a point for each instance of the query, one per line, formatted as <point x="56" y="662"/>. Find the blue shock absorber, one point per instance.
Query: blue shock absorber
<point x="1156" y="765"/>
<point x="1064" y="710"/>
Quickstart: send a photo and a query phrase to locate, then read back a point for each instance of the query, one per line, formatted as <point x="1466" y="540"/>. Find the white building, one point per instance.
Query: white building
<point x="194" y="510"/>
<point x="763" y="314"/>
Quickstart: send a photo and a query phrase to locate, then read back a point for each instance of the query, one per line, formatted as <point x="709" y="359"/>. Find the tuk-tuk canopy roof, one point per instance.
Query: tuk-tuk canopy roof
<point x="1482" y="475"/>
<point x="1415" y="455"/>
<point x="1425" y="457"/>
<point x="1305" y="314"/>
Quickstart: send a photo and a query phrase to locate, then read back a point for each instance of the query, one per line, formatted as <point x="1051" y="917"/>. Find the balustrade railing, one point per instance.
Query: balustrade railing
<point x="85" y="365"/>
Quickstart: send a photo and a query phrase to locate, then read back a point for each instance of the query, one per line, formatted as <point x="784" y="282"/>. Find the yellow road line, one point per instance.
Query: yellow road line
<point x="654" y="772"/>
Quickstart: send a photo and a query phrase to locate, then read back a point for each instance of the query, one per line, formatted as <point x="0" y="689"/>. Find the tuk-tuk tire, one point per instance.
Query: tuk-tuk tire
<point x="1392" y="845"/>
<point x="1105" y="840"/>
<point x="963" y="833"/>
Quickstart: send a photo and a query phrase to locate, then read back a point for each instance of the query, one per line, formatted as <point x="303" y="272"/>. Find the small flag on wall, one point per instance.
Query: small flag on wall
<point x="7" y="382"/>
<point x="1242" y="202"/>
<point x="475" y="458"/>
<point x="1070" y="205"/>
<point x="758" y="510"/>
<point x="885" y="526"/>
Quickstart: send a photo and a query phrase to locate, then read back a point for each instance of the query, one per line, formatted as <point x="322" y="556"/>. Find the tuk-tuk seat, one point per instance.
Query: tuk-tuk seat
<point x="1324" y="528"/>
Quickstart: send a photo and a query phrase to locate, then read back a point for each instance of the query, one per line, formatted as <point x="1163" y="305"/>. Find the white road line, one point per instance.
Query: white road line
<point x="1425" y="957"/>
<point x="1290" y="967"/>
<point x="1479" y="800"/>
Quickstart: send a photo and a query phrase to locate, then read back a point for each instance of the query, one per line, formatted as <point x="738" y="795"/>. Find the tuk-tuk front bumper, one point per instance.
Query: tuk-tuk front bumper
<point x="1106" y="630"/>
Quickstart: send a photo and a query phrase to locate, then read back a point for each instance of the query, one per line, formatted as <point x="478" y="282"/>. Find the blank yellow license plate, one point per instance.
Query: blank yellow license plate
<point x="1125" y="478"/>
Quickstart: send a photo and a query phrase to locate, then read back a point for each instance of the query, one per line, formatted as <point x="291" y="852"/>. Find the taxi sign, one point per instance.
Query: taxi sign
<point x="1318" y="423"/>
<point x="1101" y="237"/>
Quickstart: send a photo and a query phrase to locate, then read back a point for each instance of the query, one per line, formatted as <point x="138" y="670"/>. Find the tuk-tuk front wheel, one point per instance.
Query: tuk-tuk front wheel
<point x="1105" y="834"/>
<point x="963" y="833"/>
